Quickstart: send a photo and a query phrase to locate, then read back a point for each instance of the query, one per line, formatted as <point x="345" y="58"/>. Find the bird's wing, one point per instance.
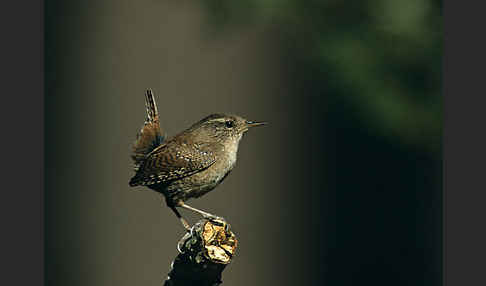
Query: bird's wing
<point x="173" y="161"/>
<point x="149" y="136"/>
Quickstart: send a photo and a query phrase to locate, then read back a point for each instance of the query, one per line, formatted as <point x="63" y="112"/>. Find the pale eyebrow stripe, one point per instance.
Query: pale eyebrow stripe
<point x="222" y="120"/>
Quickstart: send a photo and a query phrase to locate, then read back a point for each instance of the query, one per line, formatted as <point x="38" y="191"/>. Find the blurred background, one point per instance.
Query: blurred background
<point x="344" y="187"/>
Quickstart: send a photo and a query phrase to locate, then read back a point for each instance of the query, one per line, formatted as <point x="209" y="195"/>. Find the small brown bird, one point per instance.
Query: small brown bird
<point x="189" y="164"/>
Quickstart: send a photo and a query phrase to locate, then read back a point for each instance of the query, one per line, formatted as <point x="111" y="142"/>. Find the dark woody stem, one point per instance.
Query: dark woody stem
<point x="204" y="253"/>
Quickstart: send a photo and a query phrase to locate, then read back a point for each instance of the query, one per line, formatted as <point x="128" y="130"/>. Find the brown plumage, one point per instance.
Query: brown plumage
<point x="189" y="164"/>
<point x="149" y="136"/>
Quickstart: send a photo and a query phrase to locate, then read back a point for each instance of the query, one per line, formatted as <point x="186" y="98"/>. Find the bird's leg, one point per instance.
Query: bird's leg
<point x="203" y="213"/>
<point x="183" y="221"/>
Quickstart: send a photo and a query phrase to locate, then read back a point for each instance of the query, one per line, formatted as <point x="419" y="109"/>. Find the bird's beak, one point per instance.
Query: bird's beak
<point x="254" y="124"/>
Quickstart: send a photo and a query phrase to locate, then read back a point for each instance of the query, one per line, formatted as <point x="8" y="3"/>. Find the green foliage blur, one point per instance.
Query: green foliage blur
<point x="368" y="76"/>
<point x="381" y="56"/>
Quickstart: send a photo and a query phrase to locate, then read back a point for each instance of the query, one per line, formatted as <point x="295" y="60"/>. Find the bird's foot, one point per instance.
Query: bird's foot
<point x="210" y="217"/>
<point x="214" y="219"/>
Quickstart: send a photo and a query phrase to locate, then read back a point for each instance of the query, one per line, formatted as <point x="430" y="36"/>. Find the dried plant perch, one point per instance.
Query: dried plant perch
<point x="204" y="252"/>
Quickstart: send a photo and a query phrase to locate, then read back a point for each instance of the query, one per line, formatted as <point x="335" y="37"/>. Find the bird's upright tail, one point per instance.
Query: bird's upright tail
<point x="149" y="136"/>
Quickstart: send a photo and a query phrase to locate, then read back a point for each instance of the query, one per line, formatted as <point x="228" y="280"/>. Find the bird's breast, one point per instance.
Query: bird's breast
<point x="202" y="182"/>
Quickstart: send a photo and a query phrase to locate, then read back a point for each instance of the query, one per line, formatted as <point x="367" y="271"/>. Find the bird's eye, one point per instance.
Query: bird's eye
<point x="230" y="124"/>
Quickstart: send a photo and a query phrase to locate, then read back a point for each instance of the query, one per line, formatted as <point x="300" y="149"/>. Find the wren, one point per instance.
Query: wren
<point x="190" y="164"/>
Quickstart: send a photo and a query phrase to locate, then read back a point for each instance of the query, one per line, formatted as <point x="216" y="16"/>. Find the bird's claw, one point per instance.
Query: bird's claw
<point x="219" y="221"/>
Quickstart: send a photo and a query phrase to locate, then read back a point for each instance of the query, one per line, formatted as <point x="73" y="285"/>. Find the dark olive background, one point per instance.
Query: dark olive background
<point x="342" y="188"/>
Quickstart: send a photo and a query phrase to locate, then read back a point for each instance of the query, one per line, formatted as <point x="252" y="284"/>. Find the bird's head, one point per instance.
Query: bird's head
<point x="224" y="126"/>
